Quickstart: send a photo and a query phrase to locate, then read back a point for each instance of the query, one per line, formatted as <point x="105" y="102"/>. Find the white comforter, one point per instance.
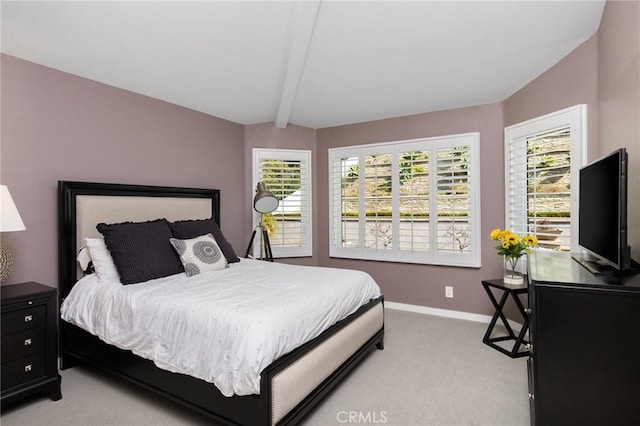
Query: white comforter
<point x="222" y="326"/>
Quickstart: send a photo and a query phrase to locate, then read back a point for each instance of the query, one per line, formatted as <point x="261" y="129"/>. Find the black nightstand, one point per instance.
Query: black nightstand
<point x="29" y="341"/>
<point x="507" y="290"/>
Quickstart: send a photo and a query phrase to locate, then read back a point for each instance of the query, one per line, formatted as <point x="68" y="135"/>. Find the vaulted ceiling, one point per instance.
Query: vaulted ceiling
<point x="311" y="63"/>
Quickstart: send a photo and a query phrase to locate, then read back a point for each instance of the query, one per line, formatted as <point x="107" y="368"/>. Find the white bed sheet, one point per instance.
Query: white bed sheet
<point x="223" y="326"/>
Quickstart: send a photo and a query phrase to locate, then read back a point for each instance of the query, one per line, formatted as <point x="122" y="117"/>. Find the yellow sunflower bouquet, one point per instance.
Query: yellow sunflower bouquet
<point x="512" y="247"/>
<point x="510" y="244"/>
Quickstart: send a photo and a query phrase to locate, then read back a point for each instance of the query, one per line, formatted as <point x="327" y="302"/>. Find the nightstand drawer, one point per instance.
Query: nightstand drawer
<point x="22" y="371"/>
<point x="24" y="319"/>
<point x="20" y="345"/>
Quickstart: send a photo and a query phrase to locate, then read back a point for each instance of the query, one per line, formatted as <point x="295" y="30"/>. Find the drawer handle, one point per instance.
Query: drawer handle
<point x="28" y="318"/>
<point x="27" y="342"/>
<point x="27" y="368"/>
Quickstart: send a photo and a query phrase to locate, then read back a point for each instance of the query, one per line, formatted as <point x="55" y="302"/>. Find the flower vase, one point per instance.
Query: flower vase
<point x="511" y="275"/>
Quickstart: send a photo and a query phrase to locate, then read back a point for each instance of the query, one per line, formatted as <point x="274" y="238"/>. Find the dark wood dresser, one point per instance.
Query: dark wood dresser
<point x="29" y="341"/>
<point x="584" y="333"/>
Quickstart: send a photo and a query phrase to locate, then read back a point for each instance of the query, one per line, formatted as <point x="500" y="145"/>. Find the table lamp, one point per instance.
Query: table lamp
<point x="10" y="221"/>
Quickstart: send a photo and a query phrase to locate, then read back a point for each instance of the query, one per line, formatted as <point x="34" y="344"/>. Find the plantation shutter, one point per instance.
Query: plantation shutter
<point x="456" y="189"/>
<point x="407" y="201"/>
<point x="539" y="198"/>
<point x="414" y="200"/>
<point x="377" y="234"/>
<point x="346" y="206"/>
<point x="286" y="173"/>
<point x="454" y="202"/>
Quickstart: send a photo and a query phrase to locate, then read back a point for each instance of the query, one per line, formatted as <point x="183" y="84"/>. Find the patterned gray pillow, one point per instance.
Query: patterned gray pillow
<point x="200" y="254"/>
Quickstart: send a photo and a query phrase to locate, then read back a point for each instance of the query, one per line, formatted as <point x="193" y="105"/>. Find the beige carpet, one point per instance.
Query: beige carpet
<point x="433" y="371"/>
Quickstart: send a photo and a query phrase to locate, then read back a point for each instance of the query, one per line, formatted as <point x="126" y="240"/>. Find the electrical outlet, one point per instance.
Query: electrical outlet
<point x="448" y="292"/>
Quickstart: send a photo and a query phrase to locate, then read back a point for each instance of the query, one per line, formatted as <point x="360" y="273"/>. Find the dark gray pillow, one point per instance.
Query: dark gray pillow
<point x="141" y="250"/>
<point x="187" y="229"/>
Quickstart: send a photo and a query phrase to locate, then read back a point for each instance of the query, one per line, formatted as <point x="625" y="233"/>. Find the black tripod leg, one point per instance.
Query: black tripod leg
<point x="253" y="236"/>
<point x="267" y="245"/>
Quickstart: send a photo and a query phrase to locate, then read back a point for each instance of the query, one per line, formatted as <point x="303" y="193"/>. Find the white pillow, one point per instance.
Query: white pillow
<point x="102" y="260"/>
<point x="200" y="254"/>
<point x="83" y="258"/>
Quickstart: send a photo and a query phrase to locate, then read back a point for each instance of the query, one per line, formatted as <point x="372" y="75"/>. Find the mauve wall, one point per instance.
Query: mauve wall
<point x="267" y="135"/>
<point x="572" y="81"/>
<point x="619" y="98"/>
<point x="57" y="126"/>
<point x="424" y="284"/>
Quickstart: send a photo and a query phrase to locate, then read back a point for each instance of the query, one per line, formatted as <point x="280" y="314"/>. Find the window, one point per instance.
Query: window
<point x="542" y="159"/>
<point x="407" y="201"/>
<point x="287" y="173"/>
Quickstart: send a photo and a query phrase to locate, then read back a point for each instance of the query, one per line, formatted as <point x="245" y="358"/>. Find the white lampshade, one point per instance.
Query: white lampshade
<point x="10" y="219"/>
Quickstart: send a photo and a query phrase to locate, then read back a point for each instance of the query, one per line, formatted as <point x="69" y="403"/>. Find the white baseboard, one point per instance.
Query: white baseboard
<point x="447" y="313"/>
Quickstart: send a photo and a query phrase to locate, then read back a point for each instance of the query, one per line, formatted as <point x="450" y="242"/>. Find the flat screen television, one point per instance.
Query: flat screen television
<point x="602" y="214"/>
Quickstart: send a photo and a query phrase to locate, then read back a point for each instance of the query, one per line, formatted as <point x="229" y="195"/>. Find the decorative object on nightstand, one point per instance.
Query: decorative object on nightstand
<point x="512" y="247"/>
<point x="29" y="342"/>
<point x="263" y="202"/>
<point x="10" y="221"/>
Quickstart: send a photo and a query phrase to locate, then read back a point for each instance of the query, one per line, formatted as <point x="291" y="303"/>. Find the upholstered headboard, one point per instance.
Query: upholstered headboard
<point x="82" y="205"/>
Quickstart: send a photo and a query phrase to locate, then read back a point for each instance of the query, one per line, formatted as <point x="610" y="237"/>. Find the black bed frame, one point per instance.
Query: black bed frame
<point x="78" y="346"/>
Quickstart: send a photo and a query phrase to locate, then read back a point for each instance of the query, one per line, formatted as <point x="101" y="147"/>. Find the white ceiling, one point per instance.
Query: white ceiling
<point x="314" y="64"/>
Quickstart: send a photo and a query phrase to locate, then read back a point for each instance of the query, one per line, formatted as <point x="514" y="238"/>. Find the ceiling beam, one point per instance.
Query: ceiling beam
<point x="304" y="21"/>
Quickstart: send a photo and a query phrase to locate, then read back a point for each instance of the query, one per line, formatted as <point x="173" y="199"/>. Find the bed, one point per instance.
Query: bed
<point x="289" y="387"/>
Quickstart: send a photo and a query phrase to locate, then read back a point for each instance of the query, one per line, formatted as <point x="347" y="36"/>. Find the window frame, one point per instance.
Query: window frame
<point x="427" y="257"/>
<point x="306" y="249"/>
<point x="575" y="118"/>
